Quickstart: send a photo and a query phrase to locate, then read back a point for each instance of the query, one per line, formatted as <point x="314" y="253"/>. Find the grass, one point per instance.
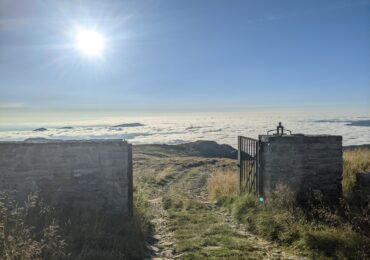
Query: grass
<point x="199" y="232"/>
<point x="221" y="183"/>
<point x="354" y="161"/>
<point x="29" y="231"/>
<point x="356" y="204"/>
<point x="37" y="231"/>
<point x="319" y="232"/>
<point x="318" y="238"/>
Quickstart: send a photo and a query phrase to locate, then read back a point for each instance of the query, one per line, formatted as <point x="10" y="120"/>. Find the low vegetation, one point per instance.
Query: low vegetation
<point x="356" y="202"/>
<point x="29" y="231"/>
<point x="354" y="161"/>
<point x="199" y="231"/>
<point x="221" y="183"/>
<point x="321" y="234"/>
<point x="318" y="231"/>
<point x="38" y="231"/>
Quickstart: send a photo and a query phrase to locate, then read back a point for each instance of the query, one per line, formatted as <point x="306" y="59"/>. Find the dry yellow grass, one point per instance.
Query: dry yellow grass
<point x="222" y="183"/>
<point x="354" y="161"/>
<point x="225" y="183"/>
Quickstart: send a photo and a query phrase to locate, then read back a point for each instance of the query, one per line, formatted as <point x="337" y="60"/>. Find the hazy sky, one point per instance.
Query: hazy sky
<point x="180" y="55"/>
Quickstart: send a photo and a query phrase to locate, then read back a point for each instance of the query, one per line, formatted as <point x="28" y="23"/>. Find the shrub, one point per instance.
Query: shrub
<point x="242" y="204"/>
<point x="340" y="243"/>
<point x="28" y="232"/>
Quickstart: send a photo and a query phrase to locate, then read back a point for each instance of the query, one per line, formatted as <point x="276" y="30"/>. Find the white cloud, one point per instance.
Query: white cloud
<point x="223" y="128"/>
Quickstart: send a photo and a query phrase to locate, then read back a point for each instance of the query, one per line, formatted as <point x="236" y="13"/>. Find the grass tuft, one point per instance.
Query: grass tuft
<point x="222" y="183"/>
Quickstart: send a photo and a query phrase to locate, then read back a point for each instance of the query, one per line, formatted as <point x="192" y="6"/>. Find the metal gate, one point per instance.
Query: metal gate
<point x="248" y="162"/>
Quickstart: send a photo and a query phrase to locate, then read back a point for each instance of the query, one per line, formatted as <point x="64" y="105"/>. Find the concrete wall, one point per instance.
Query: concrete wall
<point x="94" y="174"/>
<point x="304" y="163"/>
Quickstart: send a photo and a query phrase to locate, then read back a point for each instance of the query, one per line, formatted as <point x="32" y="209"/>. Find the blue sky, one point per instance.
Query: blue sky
<point x="184" y="55"/>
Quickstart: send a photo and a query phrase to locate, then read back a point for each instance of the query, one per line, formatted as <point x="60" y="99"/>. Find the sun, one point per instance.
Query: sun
<point x="90" y="42"/>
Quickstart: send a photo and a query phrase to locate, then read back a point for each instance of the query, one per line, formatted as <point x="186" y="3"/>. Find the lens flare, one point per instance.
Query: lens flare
<point x="90" y="42"/>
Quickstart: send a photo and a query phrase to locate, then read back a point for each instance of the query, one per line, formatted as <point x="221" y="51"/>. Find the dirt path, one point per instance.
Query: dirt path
<point x="162" y="246"/>
<point x="267" y="249"/>
<point x="163" y="241"/>
<point x="188" y="226"/>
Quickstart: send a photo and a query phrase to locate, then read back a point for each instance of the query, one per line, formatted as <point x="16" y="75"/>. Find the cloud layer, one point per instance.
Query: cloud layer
<point x="174" y="129"/>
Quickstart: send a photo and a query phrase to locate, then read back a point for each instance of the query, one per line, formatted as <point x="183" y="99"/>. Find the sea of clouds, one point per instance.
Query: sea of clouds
<point x="182" y="128"/>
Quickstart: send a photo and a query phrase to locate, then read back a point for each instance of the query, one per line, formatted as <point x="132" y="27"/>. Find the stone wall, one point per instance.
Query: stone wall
<point x="305" y="163"/>
<point x="94" y="174"/>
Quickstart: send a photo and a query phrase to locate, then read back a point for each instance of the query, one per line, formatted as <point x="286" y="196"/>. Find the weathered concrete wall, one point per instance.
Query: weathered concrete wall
<point x="304" y="163"/>
<point x="94" y="174"/>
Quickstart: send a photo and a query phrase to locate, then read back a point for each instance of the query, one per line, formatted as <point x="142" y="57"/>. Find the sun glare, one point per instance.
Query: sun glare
<point x="89" y="42"/>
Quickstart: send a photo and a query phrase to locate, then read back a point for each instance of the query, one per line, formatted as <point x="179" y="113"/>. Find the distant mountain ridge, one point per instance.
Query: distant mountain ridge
<point x="210" y="149"/>
<point x="351" y="147"/>
<point x="41" y="129"/>
<point x="129" y="125"/>
<point x="360" y="123"/>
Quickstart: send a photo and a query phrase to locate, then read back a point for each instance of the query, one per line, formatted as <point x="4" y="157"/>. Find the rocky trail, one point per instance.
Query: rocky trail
<point x="162" y="248"/>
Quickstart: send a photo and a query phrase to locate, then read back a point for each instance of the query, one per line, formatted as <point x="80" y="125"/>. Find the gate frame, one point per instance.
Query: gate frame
<point x="254" y="146"/>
